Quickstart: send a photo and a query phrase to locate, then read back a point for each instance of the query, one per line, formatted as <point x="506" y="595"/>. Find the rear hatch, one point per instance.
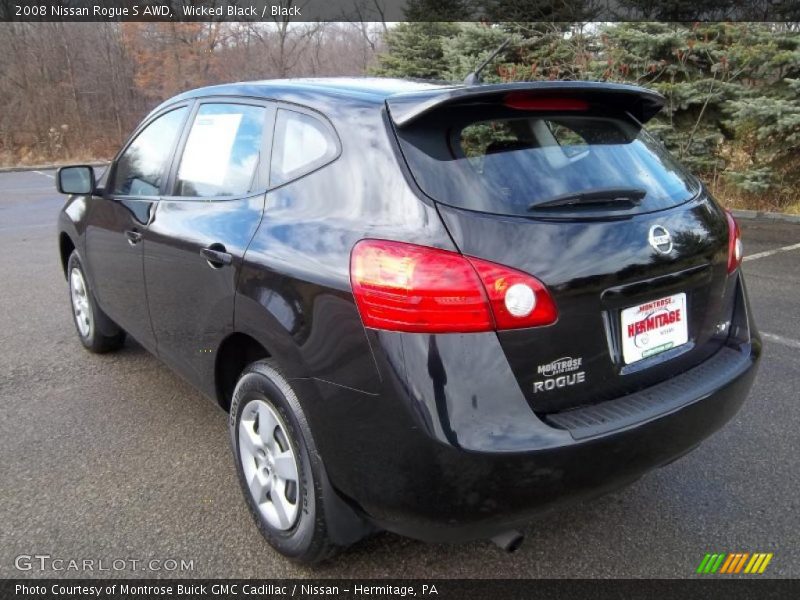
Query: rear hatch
<point x="561" y="181"/>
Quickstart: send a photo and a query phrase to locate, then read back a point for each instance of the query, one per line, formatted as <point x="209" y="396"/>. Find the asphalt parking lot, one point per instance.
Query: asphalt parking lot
<point x="106" y="457"/>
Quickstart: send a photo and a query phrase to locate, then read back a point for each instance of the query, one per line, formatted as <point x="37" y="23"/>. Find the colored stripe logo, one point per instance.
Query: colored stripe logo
<point x="734" y="563"/>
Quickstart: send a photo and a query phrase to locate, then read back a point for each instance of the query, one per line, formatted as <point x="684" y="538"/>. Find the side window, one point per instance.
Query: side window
<point x="301" y="144"/>
<point x="222" y="151"/>
<point x="141" y="167"/>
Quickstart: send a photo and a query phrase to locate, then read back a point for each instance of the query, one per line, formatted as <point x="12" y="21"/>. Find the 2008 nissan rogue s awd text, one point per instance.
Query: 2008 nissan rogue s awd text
<point x="434" y="310"/>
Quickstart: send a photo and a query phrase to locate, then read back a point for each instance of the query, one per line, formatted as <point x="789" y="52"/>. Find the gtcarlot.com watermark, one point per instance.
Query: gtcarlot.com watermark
<point x="56" y="564"/>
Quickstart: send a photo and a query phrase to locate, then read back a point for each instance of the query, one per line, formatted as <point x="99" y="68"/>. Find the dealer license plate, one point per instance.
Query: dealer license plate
<point x="654" y="327"/>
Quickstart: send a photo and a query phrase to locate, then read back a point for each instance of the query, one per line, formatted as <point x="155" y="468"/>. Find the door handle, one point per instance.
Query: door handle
<point x="134" y="237"/>
<point x="216" y="256"/>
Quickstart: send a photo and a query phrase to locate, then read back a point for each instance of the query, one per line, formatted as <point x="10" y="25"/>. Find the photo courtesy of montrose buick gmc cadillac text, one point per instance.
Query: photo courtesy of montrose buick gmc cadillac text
<point x="434" y="310"/>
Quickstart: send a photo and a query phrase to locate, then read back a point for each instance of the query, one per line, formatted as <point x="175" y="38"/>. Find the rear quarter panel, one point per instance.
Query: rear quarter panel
<point x="294" y="291"/>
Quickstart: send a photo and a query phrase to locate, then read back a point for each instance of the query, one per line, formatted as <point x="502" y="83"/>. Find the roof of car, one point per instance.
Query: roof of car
<point x="408" y="98"/>
<point x="376" y="89"/>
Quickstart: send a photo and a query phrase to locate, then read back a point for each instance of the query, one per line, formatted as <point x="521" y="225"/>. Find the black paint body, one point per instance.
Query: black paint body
<point x="438" y="437"/>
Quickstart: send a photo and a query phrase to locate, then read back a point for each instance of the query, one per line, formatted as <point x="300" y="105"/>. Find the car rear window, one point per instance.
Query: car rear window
<point x="509" y="162"/>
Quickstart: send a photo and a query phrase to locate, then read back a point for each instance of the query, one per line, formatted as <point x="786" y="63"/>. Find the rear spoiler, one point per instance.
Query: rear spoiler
<point x="406" y="108"/>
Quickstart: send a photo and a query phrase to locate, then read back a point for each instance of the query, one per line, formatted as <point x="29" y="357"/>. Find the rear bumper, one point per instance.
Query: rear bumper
<point x="456" y="462"/>
<point x="468" y="495"/>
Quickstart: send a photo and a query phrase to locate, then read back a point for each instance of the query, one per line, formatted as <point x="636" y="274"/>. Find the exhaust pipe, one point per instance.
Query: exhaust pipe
<point x="510" y="541"/>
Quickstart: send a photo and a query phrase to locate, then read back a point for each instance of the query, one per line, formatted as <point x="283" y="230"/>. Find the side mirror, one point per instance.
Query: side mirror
<point x="78" y="179"/>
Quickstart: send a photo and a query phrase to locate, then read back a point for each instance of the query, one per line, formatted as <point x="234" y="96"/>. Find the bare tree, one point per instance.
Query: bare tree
<point x="74" y="90"/>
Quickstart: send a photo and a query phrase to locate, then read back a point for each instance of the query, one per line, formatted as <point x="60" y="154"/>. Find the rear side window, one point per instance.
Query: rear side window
<point x="507" y="162"/>
<point x="302" y="143"/>
<point x="141" y="168"/>
<point x="222" y="151"/>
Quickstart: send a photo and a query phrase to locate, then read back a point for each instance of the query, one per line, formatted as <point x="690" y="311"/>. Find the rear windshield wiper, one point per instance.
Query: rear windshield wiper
<point x="625" y="197"/>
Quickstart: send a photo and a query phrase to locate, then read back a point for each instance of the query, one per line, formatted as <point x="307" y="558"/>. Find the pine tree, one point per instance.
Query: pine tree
<point x="416" y="50"/>
<point x="732" y="90"/>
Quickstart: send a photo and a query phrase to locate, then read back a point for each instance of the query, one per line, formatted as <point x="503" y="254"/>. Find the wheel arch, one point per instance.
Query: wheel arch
<point x="235" y="352"/>
<point x="65" y="247"/>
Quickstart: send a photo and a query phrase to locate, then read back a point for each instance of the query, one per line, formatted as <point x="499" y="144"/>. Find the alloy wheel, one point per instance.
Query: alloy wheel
<point x="269" y="464"/>
<point x="81" y="308"/>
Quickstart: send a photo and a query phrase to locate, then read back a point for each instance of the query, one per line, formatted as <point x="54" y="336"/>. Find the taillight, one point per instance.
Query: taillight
<point x="527" y="101"/>
<point x="517" y="299"/>
<point x="734" y="243"/>
<point x="405" y="287"/>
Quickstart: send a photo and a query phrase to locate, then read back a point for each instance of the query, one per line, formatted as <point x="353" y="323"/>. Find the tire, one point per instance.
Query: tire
<point x="96" y="331"/>
<point x="304" y="537"/>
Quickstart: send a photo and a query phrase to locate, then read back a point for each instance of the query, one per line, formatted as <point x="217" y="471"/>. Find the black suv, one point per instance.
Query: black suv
<point x="435" y="310"/>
